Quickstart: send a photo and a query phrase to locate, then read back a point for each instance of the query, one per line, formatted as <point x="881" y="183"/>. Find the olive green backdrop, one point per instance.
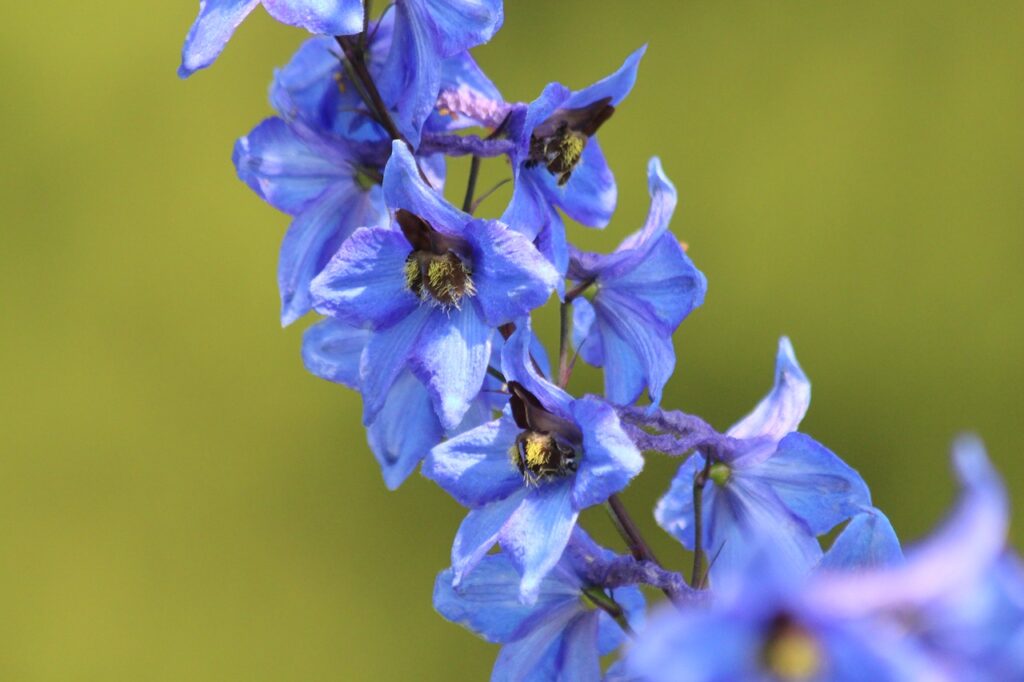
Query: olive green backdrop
<point x="179" y="500"/>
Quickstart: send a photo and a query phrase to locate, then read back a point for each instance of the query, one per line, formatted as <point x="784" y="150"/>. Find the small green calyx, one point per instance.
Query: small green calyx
<point x="719" y="473"/>
<point x="367" y="178"/>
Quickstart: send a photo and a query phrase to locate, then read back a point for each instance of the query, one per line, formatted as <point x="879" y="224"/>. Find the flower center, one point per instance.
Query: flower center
<point x="791" y="652"/>
<point x="541" y="457"/>
<point x="719" y="473"/>
<point x="434" y="271"/>
<point x="558" y="143"/>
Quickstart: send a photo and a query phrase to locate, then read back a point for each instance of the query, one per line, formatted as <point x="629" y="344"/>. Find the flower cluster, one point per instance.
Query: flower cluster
<point x="426" y="312"/>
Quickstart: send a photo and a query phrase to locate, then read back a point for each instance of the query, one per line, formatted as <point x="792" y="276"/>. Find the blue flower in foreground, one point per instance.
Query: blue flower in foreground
<point x="558" y="163"/>
<point x="406" y="427"/>
<point x="527" y="475"/>
<point x="864" y="625"/>
<point x="767" y="483"/>
<point x="641" y="293"/>
<point x="561" y="636"/>
<point x="426" y="33"/>
<point x="218" y="20"/>
<point x="432" y="290"/>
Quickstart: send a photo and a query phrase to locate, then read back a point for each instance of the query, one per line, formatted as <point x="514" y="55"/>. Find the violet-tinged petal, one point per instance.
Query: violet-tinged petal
<point x="585" y="336"/>
<point x="404" y="430"/>
<point x="331" y="350"/>
<point x="813" y="483"/>
<point x="211" y="31"/>
<point x="578" y="658"/>
<point x="868" y="541"/>
<point x="479" y="532"/>
<point x="615" y="86"/>
<point x="283" y="169"/>
<point x="510" y="275"/>
<point x="781" y="411"/>
<point x="610" y="634"/>
<point x="487" y="600"/>
<point x="610" y="459"/>
<point x="364" y="284"/>
<point x="532" y="658"/>
<point x="323" y="17"/>
<point x="315" y="235"/>
<point x="411" y="77"/>
<point x="517" y="364"/>
<point x="664" y="199"/>
<point x="457" y="25"/>
<point x="537" y="532"/>
<point x="385" y="357"/>
<point x="306" y="88"/>
<point x="405" y="189"/>
<point x="475" y="467"/>
<point x="674" y="511"/>
<point x="451" y="361"/>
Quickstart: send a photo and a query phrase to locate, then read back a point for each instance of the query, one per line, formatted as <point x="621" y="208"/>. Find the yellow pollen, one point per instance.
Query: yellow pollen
<point x="571" y="148"/>
<point x="411" y="270"/>
<point x="536" y="449"/>
<point x="793" y="655"/>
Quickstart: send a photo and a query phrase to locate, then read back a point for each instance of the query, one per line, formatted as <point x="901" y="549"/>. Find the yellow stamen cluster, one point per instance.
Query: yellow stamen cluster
<point x="793" y="655"/>
<point x="570" y="148"/>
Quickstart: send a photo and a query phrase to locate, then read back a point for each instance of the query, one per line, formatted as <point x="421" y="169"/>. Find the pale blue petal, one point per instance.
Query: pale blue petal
<point x="404" y="188"/>
<point x="637" y="350"/>
<point x="585" y="335"/>
<point x="479" y="532"/>
<point x="411" y="78"/>
<point x="813" y="483"/>
<point x="511" y="276"/>
<point x="331" y="350"/>
<point x="457" y="25"/>
<point x="674" y="511"/>
<point x="476" y="467"/>
<point x="404" y="430"/>
<point x="610" y="634"/>
<point x="537" y="533"/>
<point x="487" y="600"/>
<point x="211" y="31"/>
<point x="532" y="658"/>
<point x="385" y="356"/>
<point x="868" y="541"/>
<point x="615" y="86"/>
<point x="610" y="459"/>
<point x="364" y="284"/>
<point x="517" y="365"/>
<point x="323" y="17"/>
<point x="590" y="195"/>
<point x="451" y="360"/>
<point x="578" y="659"/>
<point x="781" y="411"/>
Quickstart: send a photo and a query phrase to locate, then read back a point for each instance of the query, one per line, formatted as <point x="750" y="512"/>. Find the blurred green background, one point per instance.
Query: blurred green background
<point x="181" y="501"/>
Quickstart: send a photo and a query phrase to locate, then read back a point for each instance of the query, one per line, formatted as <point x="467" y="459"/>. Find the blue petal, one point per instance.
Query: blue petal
<point x="537" y="532"/>
<point x="533" y="658"/>
<point x="538" y="111"/>
<point x="487" y="600"/>
<point x="674" y="511"/>
<point x="510" y="275"/>
<point x="585" y="335"/>
<point x="404" y="188"/>
<point x="663" y="282"/>
<point x="284" y="169"/>
<point x="411" y="77"/>
<point x="816" y="485"/>
<point x="745" y="516"/>
<point x="517" y="365"/>
<point x="211" y="31"/>
<point x="306" y="87"/>
<point x="615" y="86"/>
<point x="464" y="83"/>
<point x="610" y="459"/>
<point x="451" y="360"/>
<point x="315" y="235"/>
<point x="590" y="195"/>
<point x="578" y="658"/>
<point x="404" y="430"/>
<point x="663" y="205"/>
<point x="610" y="634"/>
<point x="364" y="284"/>
<point x="457" y="25"/>
<point x="478" y="533"/>
<point x="637" y="351"/>
<point x="323" y="17"/>
<point x="867" y="541"/>
<point x="781" y="411"/>
<point x="331" y="350"/>
<point x="475" y="467"/>
<point x="385" y="356"/>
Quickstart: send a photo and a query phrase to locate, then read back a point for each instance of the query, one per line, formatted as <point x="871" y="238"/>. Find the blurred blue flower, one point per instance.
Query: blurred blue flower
<point x="527" y="475"/>
<point x="640" y="294"/>
<point x="562" y="635"/>
<point x="557" y="163"/>
<point x="432" y="291"/>
<point x="218" y="20"/>
<point x="767" y="483"/>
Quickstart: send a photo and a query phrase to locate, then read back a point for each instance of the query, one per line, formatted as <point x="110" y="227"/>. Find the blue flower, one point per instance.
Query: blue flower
<point x="767" y="483"/>
<point x="218" y="20"/>
<point x="562" y="635"/>
<point x="426" y="33"/>
<point x="527" y="475"/>
<point x="558" y="163"/>
<point x="432" y="291"/>
<point x="641" y="293"/>
<point x="406" y="427"/>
